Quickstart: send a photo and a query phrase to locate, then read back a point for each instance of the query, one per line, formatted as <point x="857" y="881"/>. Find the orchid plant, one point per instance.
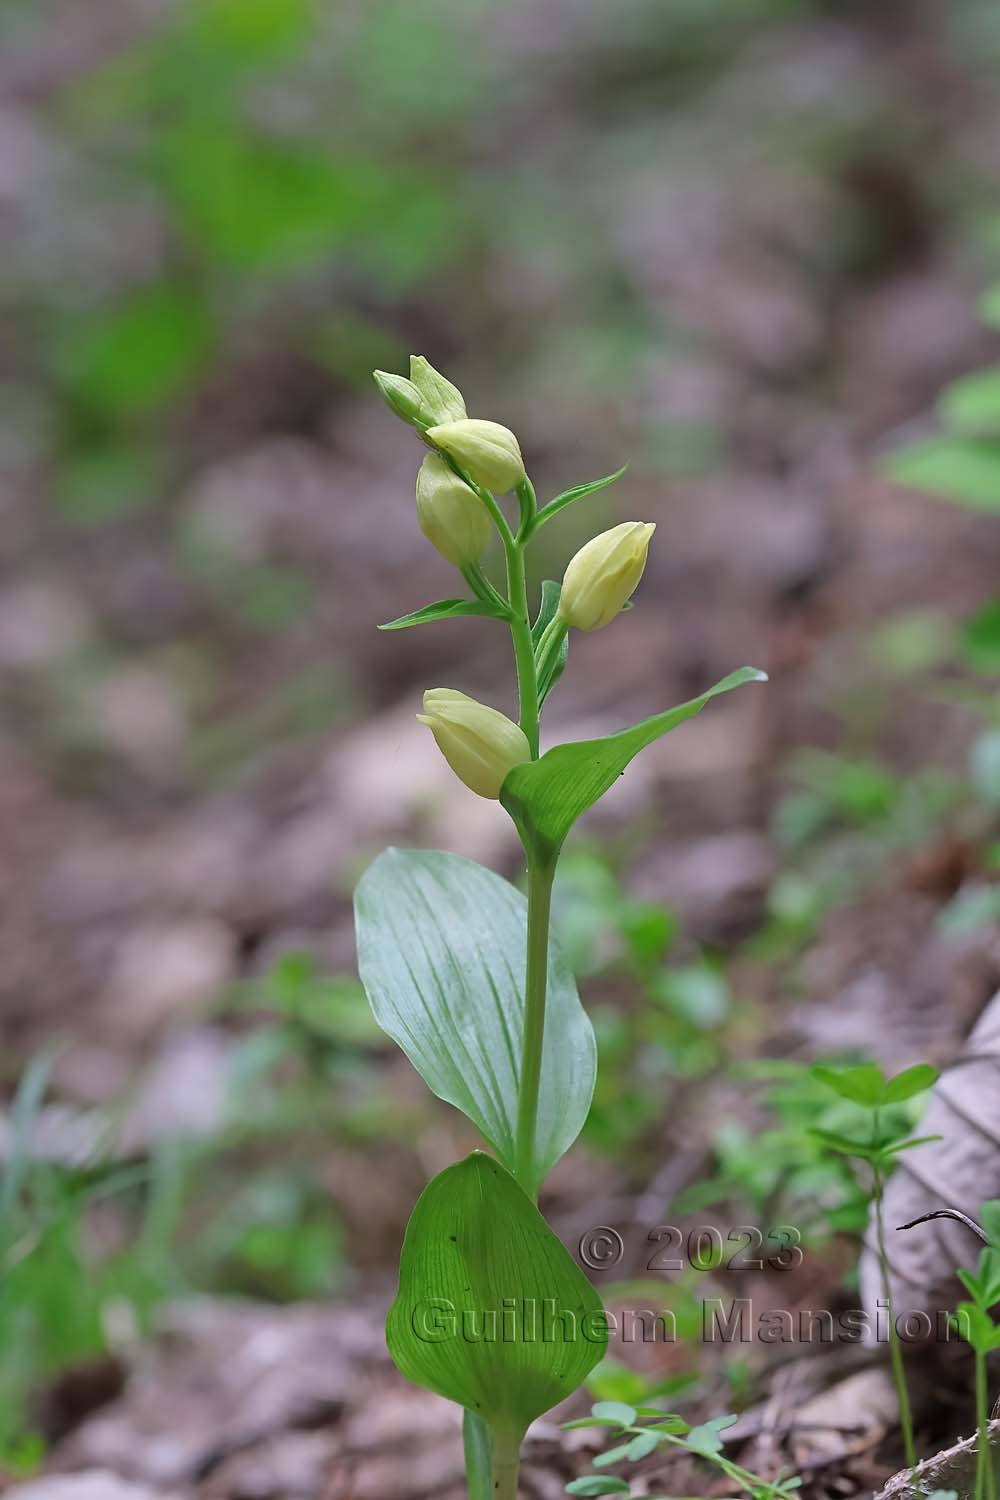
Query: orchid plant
<point x="491" y="1311"/>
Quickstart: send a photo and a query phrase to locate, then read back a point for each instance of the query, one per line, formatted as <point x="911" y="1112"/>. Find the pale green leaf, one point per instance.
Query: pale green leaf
<point x="441" y="948"/>
<point x="491" y="1312"/>
<point x="614" y="1411"/>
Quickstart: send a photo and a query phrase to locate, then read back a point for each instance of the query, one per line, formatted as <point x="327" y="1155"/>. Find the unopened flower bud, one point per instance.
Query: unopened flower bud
<point x="451" y="516"/>
<point x="603" y="575"/>
<point x="487" y="451"/>
<point x="480" y="744"/>
<point x="403" y="397"/>
<point x="443" y="401"/>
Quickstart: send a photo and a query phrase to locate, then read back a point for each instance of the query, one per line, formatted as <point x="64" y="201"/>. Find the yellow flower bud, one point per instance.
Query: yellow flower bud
<point x="452" y="518"/>
<point x="403" y="397"/>
<point x="480" y="744"/>
<point x="444" y="402"/>
<point x="485" y="450"/>
<point x="603" y="575"/>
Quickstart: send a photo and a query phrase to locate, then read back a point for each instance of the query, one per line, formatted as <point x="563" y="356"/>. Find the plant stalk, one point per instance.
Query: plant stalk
<point x="985" y="1484"/>
<point x="506" y="1464"/>
<point x="541" y="872"/>
<point x="895" y="1352"/>
<point x="524" y="652"/>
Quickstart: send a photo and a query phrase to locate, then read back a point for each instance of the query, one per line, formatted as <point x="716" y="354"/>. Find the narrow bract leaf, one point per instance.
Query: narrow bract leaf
<point x="441" y="947"/>
<point x="546" y="614"/>
<point x="545" y="797"/>
<point x="492" y="1311"/>
<point x="444" y="609"/>
<point x="577" y="492"/>
<point x="546" y="609"/>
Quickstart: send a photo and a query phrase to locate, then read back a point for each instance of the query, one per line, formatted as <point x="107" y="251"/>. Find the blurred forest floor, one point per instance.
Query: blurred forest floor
<point x="739" y="245"/>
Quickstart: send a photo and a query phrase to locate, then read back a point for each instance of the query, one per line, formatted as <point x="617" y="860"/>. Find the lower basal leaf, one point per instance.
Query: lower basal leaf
<point x="492" y="1312"/>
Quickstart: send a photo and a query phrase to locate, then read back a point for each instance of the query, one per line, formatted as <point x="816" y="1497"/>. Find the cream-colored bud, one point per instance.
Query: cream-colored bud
<point x="451" y="516"/>
<point x="444" y="401"/>
<point x="480" y="744"/>
<point x="487" y="451"/>
<point x="403" y="397"/>
<point x="603" y="575"/>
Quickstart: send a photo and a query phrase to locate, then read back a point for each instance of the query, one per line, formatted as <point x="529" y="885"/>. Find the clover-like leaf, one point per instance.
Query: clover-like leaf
<point x="863" y="1084"/>
<point x="910" y="1082"/>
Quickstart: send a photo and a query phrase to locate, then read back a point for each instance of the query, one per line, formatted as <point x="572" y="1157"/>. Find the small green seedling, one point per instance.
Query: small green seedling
<point x="640" y="1431"/>
<point x="974" y="1321"/>
<point x="458" y="966"/>
<point x="866" y="1086"/>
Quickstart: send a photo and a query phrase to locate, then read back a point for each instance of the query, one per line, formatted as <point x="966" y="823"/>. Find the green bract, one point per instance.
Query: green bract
<point x="545" y="797"/>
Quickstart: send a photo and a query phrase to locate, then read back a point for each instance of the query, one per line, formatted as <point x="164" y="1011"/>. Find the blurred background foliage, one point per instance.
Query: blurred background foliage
<point x="751" y="245"/>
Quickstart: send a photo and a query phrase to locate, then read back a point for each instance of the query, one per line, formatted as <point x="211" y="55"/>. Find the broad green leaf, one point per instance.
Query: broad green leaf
<point x="964" y="470"/>
<point x="597" y="1484"/>
<point x="908" y="1083"/>
<point x="577" y="492"/>
<point x="444" y="609"/>
<point x="972" y="403"/>
<point x="492" y="1311"/>
<point x="545" y="797"/>
<point x="441" y="946"/>
<point x="863" y="1084"/>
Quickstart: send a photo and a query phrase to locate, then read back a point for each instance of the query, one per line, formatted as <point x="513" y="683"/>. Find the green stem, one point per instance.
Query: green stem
<point x="541" y="873"/>
<point x="524" y="653"/>
<point x="506" y="1463"/>
<point x="985" y="1485"/>
<point x="895" y="1351"/>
